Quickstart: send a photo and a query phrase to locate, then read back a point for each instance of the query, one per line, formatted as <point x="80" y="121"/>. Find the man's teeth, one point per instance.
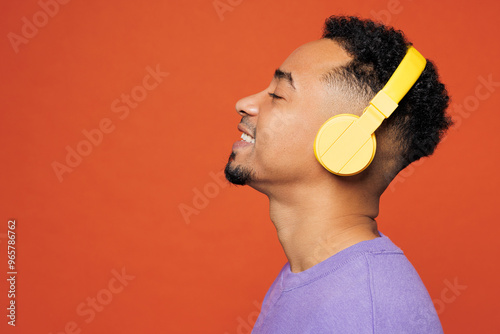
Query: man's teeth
<point x="247" y="138"/>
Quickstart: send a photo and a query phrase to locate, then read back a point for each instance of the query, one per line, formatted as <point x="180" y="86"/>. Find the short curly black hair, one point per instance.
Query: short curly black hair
<point x="420" y="121"/>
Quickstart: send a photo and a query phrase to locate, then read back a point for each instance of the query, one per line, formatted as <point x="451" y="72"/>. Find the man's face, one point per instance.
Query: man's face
<point x="280" y="122"/>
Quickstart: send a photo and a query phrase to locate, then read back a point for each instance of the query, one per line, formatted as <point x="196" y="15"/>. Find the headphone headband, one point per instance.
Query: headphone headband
<point x="400" y="82"/>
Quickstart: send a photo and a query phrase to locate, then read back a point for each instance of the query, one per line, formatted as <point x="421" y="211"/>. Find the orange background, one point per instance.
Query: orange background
<point x="120" y="207"/>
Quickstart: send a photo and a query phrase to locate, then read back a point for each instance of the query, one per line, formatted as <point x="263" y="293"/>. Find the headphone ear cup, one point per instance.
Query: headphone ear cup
<point x="328" y="134"/>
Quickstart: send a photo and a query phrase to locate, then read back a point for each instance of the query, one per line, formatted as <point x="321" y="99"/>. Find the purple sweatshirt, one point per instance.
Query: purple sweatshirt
<point x="370" y="287"/>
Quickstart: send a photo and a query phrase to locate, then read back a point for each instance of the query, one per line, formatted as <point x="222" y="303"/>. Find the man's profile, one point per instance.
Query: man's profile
<point x="342" y="275"/>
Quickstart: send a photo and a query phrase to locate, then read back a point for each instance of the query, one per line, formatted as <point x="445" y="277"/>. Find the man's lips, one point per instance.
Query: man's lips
<point x="243" y="129"/>
<point x="246" y="138"/>
<point x="240" y="144"/>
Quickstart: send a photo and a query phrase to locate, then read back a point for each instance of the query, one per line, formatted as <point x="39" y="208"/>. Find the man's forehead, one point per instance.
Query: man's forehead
<point x="313" y="59"/>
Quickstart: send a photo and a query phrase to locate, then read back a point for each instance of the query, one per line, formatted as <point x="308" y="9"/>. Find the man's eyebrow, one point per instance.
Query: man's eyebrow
<point x="279" y="74"/>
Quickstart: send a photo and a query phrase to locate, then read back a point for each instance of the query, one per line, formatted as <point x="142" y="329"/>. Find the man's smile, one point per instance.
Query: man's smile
<point x="246" y="138"/>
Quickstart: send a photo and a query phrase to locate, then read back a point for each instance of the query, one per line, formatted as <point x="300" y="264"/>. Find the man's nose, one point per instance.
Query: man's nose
<point x="248" y="106"/>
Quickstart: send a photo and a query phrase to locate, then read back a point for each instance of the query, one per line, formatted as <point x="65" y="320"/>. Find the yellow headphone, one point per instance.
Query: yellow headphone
<point x="345" y="144"/>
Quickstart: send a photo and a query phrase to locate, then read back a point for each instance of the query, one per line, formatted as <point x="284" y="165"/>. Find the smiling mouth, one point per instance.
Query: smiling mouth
<point x="247" y="138"/>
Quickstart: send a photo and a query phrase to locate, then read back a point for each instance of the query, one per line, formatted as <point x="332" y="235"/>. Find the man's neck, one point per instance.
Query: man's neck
<point x="314" y="224"/>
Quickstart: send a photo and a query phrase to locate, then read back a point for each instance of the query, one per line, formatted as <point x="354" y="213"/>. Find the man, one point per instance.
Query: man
<point x="342" y="275"/>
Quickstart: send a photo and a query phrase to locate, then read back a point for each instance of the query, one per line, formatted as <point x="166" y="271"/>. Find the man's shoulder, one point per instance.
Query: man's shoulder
<point x="368" y="286"/>
<point x="378" y="282"/>
<point x="376" y="267"/>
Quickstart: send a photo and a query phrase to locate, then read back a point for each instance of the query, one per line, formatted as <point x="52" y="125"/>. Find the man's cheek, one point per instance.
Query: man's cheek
<point x="275" y="124"/>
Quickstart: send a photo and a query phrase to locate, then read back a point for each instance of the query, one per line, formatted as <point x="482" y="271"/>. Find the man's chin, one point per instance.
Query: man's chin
<point x="238" y="175"/>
